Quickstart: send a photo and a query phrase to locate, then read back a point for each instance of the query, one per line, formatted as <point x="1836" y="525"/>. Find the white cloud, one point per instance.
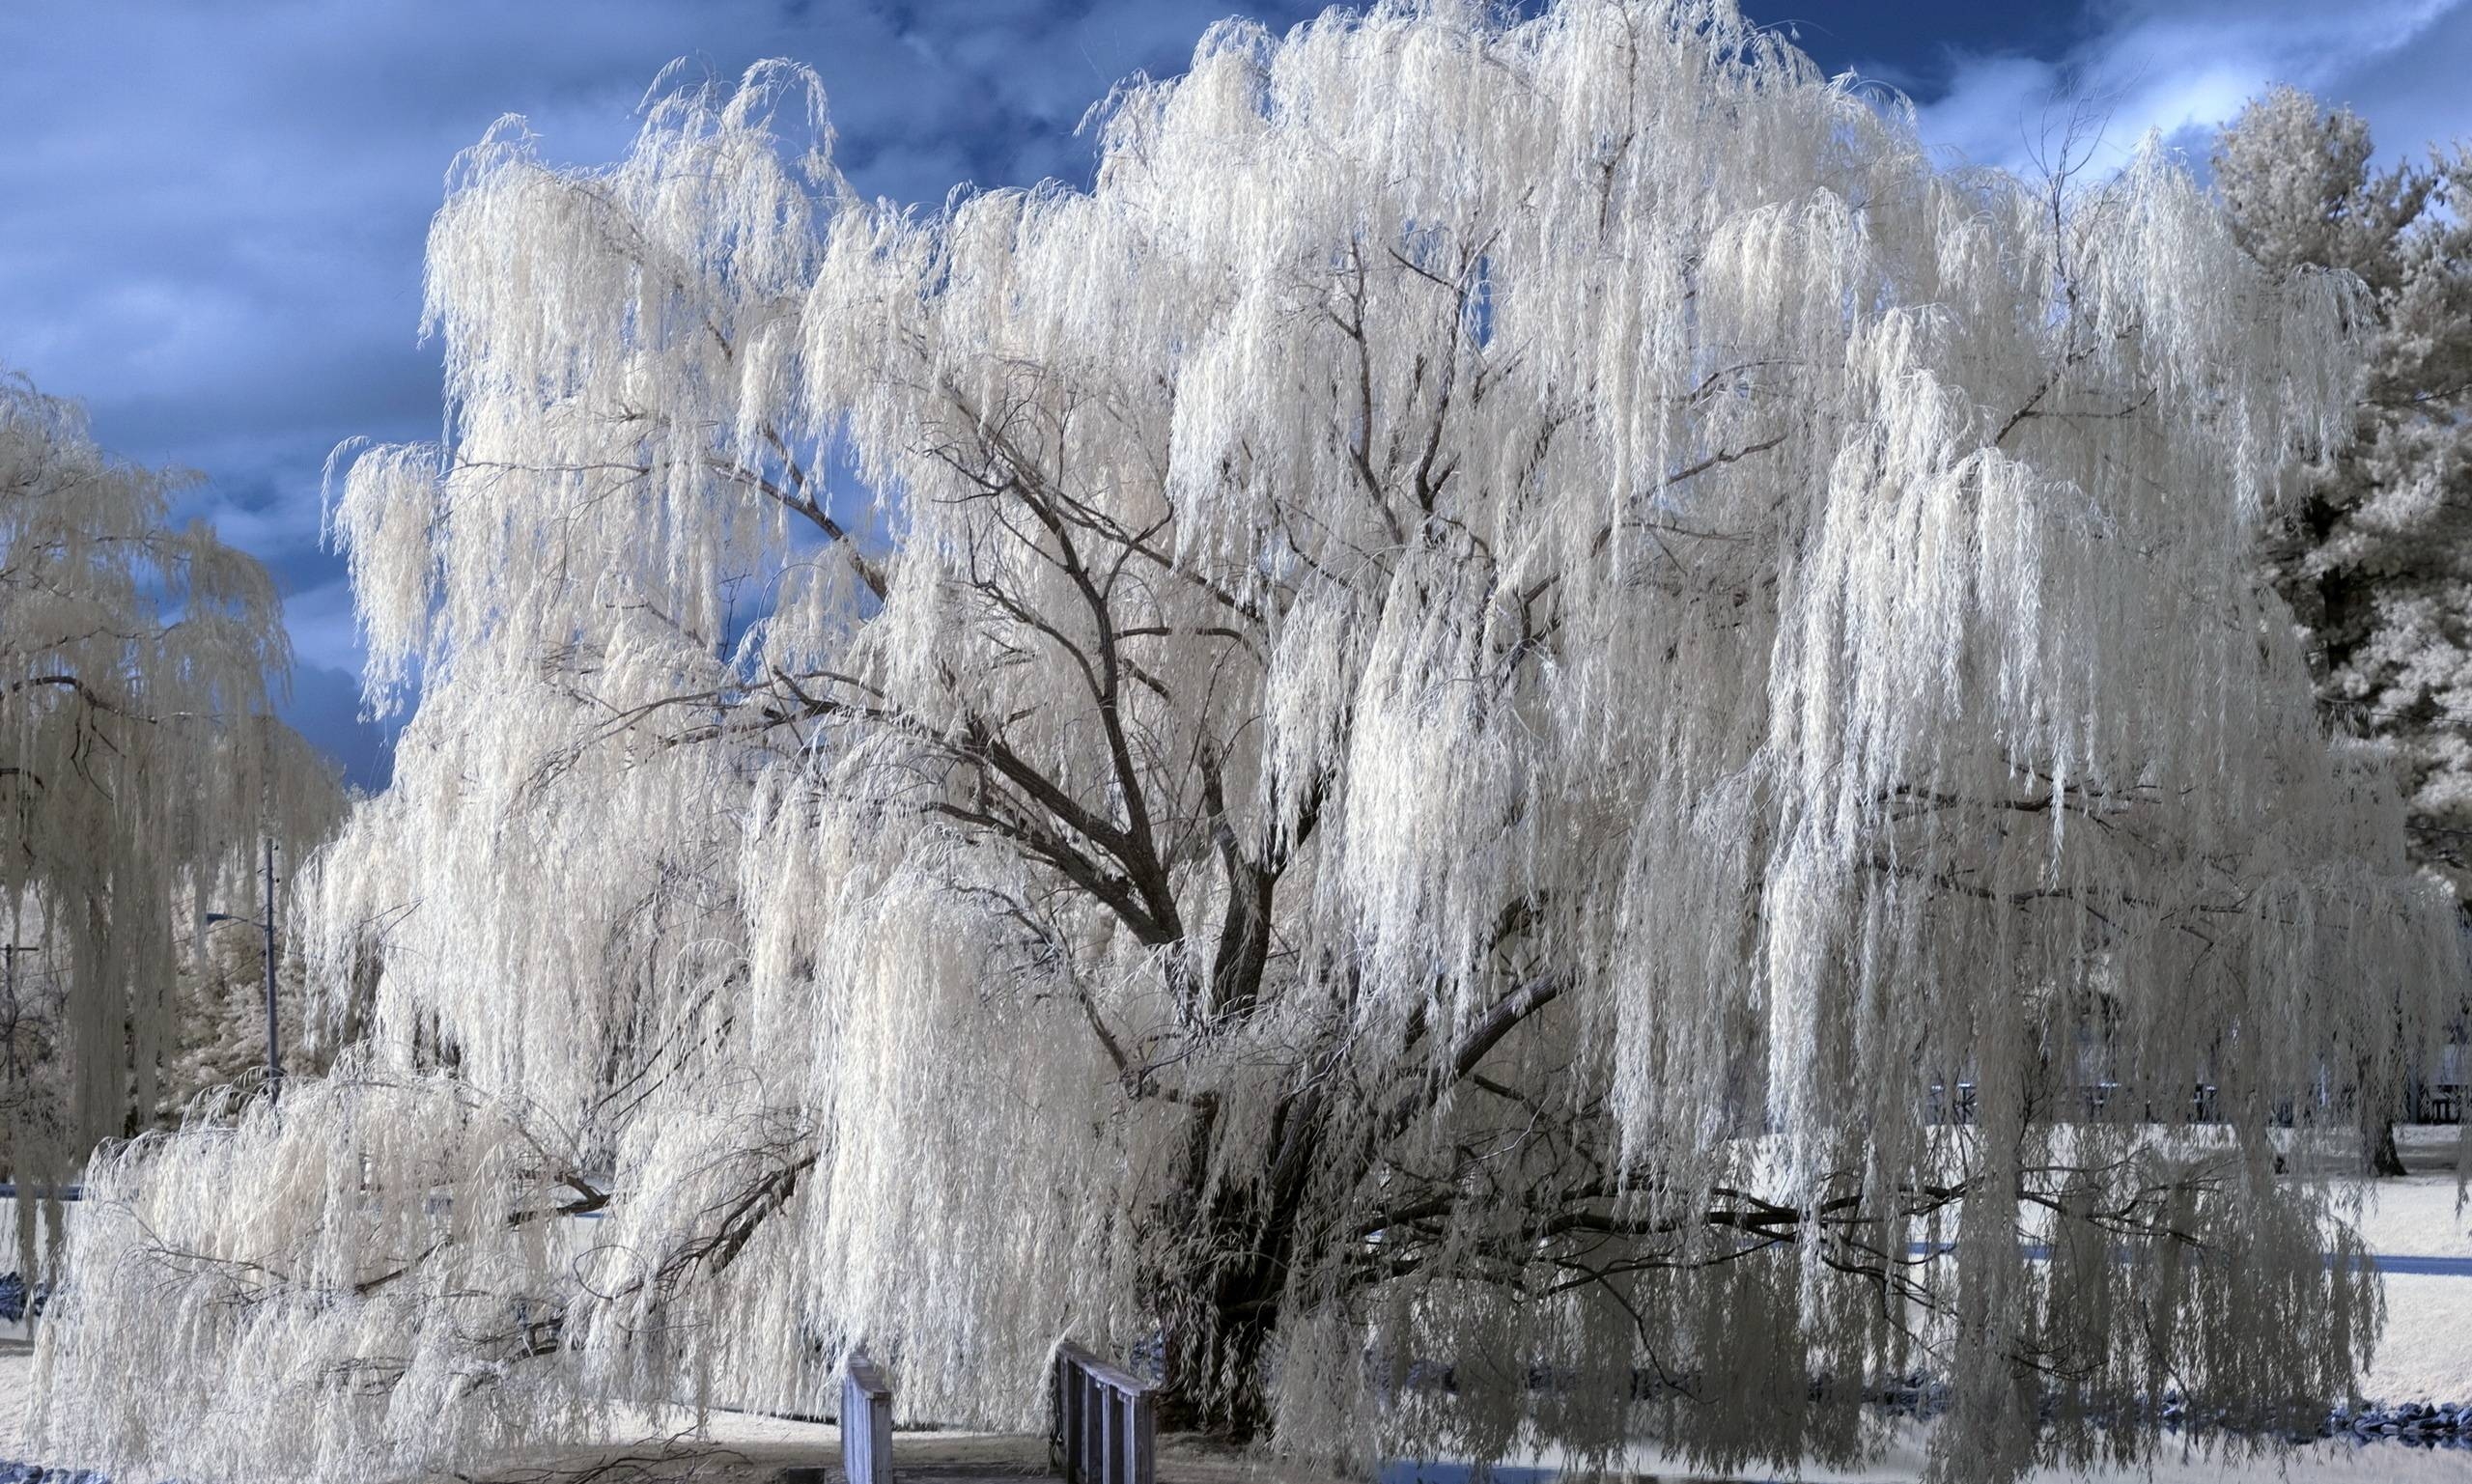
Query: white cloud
<point x="2183" y="68"/>
<point x="211" y="216"/>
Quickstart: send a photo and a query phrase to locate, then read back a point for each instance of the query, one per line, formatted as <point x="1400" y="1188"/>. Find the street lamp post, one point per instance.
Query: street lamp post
<point x="9" y="954"/>
<point x="274" y="1049"/>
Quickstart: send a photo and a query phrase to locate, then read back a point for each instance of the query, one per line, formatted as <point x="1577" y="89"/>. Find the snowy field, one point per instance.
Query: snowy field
<point x="740" y="1449"/>
<point x="2427" y="1353"/>
<point x="753" y="1450"/>
<point x="2426" y="1356"/>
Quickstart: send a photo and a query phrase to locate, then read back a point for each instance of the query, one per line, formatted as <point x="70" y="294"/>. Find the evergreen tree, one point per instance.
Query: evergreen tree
<point x="2373" y="548"/>
<point x="2374" y="555"/>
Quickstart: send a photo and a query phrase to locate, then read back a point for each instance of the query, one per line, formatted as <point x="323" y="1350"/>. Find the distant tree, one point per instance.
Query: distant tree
<point x="1421" y="731"/>
<point x="139" y="766"/>
<point x="2373" y="552"/>
<point x="2375" y="558"/>
<point x="220" y="1015"/>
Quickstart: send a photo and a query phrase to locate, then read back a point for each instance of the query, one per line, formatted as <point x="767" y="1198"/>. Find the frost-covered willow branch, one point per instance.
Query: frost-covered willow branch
<point x="140" y="769"/>
<point x="1424" y="728"/>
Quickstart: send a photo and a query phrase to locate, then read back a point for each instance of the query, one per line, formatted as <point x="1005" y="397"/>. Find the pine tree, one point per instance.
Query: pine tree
<point x="2373" y="548"/>
<point x="2374" y="555"/>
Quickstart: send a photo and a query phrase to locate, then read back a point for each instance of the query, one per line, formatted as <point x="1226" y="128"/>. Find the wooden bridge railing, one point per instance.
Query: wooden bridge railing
<point x="1105" y="1428"/>
<point x="867" y="1424"/>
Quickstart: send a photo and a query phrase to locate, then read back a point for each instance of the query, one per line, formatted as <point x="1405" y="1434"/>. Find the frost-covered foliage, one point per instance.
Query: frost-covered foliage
<point x="139" y="768"/>
<point x="2374" y="553"/>
<point x="220" y="1015"/>
<point x="1423" y="730"/>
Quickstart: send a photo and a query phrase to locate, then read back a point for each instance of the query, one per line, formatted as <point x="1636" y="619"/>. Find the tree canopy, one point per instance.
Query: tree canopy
<point x="140" y="767"/>
<point x="1430" y="728"/>
<point x="2374" y="549"/>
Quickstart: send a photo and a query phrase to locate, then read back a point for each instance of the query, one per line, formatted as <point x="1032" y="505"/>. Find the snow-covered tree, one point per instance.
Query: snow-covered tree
<point x="2374" y="555"/>
<point x="1424" y="729"/>
<point x="220" y="1015"/>
<point x="2372" y="544"/>
<point x="139" y="766"/>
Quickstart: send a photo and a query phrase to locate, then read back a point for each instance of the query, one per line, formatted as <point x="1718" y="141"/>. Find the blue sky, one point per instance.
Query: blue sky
<point x="211" y="211"/>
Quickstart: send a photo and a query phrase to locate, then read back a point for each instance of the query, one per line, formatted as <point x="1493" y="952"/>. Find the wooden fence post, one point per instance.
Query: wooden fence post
<point x="1106" y="1424"/>
<point x="866" y="1423"/>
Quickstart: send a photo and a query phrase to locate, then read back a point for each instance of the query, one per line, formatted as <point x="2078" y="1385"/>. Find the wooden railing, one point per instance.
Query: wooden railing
<point x="1105" y="1428"/>
<point x="867" y="1424"/>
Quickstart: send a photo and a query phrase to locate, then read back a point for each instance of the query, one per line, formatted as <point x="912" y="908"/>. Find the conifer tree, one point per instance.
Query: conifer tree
<point x="2372" y="545"/>
<point x="2375" y="553"/>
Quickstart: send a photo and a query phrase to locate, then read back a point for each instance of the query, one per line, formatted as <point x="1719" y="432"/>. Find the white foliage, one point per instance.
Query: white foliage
<point x="2372" y="546"/>
<point x="1474" y="676"/>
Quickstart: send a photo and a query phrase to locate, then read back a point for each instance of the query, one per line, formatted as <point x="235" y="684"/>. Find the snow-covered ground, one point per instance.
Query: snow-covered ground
<point x="753" y="1450"/>
<point x="742" y="1450"/>
<point x="2424" y="1356"/>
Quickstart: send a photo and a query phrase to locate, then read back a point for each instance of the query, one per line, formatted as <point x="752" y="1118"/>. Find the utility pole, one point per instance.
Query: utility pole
<point x="265" y="925"/>
<point x="274" y="1047"/>
<point x="12" y="1013"/>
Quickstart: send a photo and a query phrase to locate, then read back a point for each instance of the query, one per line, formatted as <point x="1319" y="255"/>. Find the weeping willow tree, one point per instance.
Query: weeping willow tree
<point x="140" y="769"/>
<point x="1424" y="735"/>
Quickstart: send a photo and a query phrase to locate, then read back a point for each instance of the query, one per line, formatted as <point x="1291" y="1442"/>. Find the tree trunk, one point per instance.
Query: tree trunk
<point x="1219" y="1304"/>
<point x="1212" y="1379"/>
<point x="2375" y="1106"/>
<point x="2379" y="1153"/>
